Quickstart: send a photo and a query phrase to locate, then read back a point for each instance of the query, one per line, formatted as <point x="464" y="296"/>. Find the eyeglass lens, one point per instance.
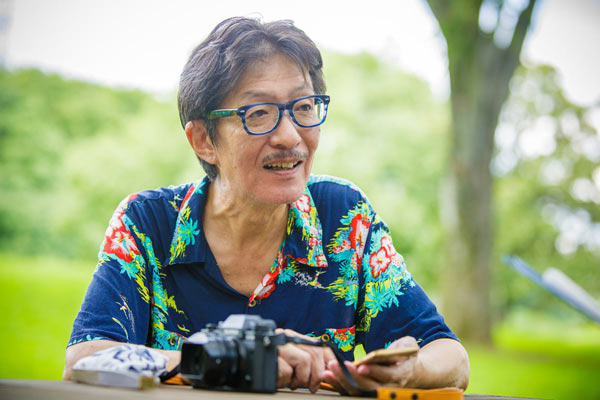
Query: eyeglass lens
<point x="306" y="112"/>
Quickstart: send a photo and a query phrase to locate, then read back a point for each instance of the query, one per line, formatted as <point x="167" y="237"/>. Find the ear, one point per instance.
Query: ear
<point x="197" y="136"/>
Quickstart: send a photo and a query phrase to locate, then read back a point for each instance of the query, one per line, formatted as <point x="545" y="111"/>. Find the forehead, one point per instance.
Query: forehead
<point x="275" y="78"/>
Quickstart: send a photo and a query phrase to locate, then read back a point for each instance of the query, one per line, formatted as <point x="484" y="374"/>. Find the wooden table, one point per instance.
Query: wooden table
<point x="61" y="390"/>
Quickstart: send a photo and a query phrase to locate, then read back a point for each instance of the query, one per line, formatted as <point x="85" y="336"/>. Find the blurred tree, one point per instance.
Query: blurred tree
<point x="70" y="151"/>
<point x="547" y="188"/>
<point x="484" y="40"/>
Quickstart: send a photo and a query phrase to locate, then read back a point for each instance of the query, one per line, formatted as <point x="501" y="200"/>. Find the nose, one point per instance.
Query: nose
<point x="286" y="135"/>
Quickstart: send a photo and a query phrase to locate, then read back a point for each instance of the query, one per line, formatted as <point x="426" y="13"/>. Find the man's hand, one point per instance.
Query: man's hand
<point x="372" y="376"/>
<point x="301" y="365"/>
<point x="441" y="363"/>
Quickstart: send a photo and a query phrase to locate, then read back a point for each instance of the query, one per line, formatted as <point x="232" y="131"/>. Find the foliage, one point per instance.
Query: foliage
<point x="547" y="187"/>
<point x="70" y="151"/>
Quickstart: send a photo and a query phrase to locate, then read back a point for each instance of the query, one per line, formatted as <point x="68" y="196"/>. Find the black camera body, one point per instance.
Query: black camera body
<point x="240" y="354"/>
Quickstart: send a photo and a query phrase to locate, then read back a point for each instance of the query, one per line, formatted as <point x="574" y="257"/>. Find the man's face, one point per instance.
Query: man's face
<point x="275" y="167"/>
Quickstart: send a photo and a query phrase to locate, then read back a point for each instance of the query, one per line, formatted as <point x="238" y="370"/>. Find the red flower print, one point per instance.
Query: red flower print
<point x="188" y="194"/>
<point x="358" y="234"/>
<point x="386" y="243"/>
<point x="265" y="287"/>
<point x="303" y="203"/>
<point x="396" y="259"/>
<point x="356" y="262"/>
<point x="115" y="224"/>
<point x="344" y="334"/>
<point x="379" y="262"/>
<point x="301" y="260"/>
<point x="321" y="261"/>
<point x="121" y="244"/>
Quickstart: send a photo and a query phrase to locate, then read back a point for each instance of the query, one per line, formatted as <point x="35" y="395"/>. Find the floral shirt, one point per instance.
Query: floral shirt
<point x="337" y="275"/>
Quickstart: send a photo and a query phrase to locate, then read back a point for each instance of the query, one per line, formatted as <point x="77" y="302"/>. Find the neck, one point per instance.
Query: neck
<point x="245" y="223"/>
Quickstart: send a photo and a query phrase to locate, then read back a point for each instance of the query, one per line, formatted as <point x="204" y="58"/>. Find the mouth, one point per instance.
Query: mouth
<point x="282" y="166"/>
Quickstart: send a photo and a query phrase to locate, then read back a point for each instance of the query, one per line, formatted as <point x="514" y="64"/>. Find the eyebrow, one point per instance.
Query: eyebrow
<point x="250" y="94"/>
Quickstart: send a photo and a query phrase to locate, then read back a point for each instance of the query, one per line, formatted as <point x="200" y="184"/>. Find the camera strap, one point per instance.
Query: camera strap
<point x="165" y="376"/>
<point x="340" y="360"/>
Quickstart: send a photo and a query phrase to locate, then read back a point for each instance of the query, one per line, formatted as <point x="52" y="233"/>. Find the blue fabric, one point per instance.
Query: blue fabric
<point x="337" y="275"/>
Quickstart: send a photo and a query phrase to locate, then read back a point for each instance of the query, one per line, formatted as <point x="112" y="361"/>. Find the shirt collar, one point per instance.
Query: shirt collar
<point x="304" y="242"/>
<point x="188" y="243"/>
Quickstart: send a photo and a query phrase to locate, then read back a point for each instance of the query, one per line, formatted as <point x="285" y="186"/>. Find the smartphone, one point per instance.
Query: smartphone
<point x="386" y="356"/>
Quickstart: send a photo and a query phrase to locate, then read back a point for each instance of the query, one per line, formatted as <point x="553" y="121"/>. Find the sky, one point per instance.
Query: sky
<point x="145" y="43"/>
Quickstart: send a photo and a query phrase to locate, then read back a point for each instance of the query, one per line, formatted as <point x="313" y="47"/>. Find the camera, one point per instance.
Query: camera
<point x="238" y="354"/>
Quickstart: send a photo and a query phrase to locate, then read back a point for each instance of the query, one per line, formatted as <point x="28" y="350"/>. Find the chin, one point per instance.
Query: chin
<point x="281" y="195"/>
<point x="280" y="189"/>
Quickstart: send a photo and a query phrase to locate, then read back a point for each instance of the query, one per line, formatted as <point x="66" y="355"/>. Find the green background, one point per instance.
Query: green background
<point x="70" y="151"/>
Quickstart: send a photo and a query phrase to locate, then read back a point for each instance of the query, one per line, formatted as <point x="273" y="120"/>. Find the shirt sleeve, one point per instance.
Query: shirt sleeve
<point x="116" y="304"/>
<point x="391" y="304"/>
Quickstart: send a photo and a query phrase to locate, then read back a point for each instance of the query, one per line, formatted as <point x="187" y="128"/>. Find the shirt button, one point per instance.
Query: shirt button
<point x="172" y="341"/>
<point x="252" y="303"/>
<point x="325" y="337"/>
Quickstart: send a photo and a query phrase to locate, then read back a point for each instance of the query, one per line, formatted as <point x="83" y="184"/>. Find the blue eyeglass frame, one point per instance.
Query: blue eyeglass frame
<point x="241" y="112"/>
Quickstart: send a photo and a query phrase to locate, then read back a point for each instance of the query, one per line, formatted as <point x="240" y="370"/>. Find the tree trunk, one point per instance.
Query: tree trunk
<point x="480" y="74"/>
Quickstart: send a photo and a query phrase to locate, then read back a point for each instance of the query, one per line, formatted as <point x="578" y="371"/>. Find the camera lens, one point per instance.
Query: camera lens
<point x="214" y="363"/>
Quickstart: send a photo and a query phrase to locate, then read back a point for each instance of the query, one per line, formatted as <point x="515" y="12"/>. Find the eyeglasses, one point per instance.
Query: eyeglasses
<point x="262" y="118"/>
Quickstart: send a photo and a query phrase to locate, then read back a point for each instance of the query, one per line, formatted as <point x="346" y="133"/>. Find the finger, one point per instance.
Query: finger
<point x="327" y="355"/>
<point x="318" y="358"/>
<point x="339" y="381"/>
<point x="329" y="377"/>
<point x="284" y="373"/>
<point x="398" y="374"/>
<point x="300" y="361"/>
<point x="380" y="373"/>
<point x="368" y="371"/>
<point x="326" y="352"/>
<point x="363" y="382"/>
<point x="317" y="367"/>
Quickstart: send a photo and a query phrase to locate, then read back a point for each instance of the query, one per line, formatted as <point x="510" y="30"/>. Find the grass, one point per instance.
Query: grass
<point x="539" y="356"/>
<point x="42" y="297"/>
<point x="533" y="355"/>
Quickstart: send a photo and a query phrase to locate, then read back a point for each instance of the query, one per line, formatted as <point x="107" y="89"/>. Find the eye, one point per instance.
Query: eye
<point x="304" y="106"/>
<point x="257" y="112"/>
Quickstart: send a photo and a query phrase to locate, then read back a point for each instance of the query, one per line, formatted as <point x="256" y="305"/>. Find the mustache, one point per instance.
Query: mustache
<point x="282" y="155"/>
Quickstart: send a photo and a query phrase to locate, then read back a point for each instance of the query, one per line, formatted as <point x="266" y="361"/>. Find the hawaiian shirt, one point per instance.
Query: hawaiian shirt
<point x="337" y="275"/>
